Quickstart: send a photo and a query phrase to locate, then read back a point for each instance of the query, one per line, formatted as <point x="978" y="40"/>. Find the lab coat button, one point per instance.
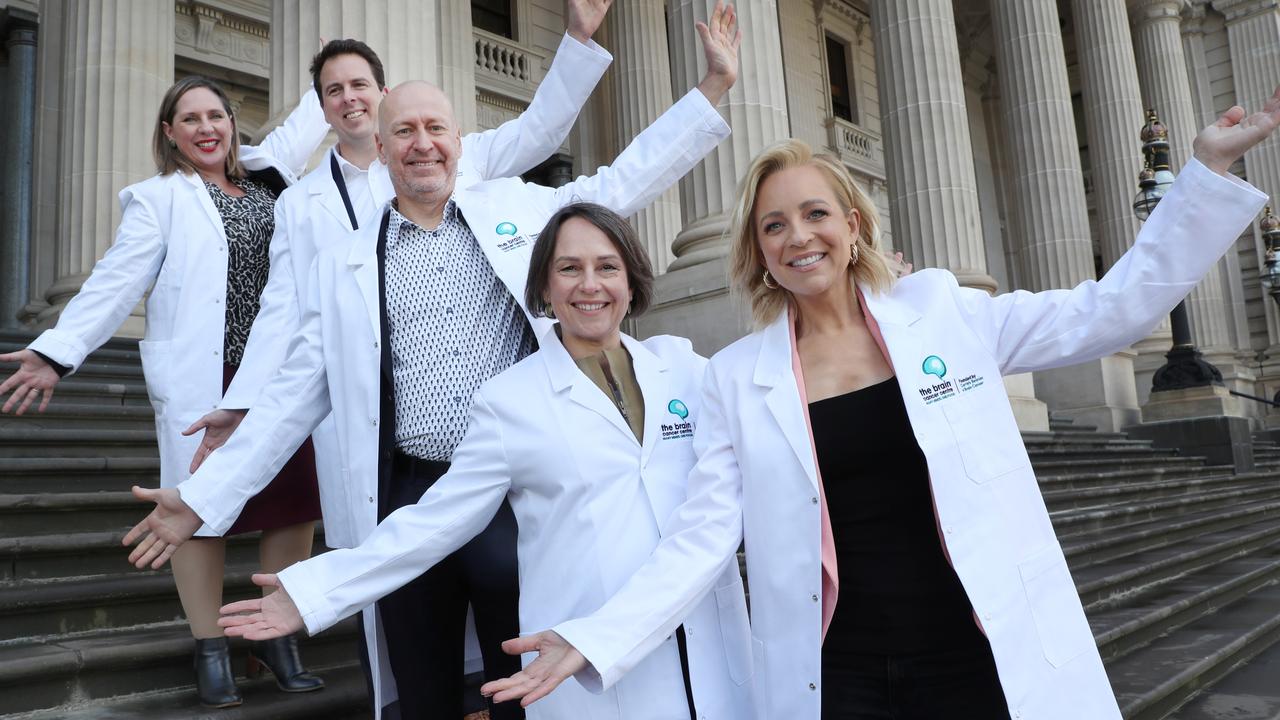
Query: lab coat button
<point x="373" y="422"/>
<point x="814" y="597"/>
<point x="370" y="498"/>
<point x="813" y="500"/>
<point x="812" y="686"/>
<point x="950" y="529"/>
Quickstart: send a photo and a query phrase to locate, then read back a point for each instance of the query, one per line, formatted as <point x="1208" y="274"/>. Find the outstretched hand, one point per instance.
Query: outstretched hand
<point x="721" y="38"/>
<point x="557" y="660"/>
<point x="263" y="618"/>
<point x="585" y="17"/>
<point x="218" y="426"/>
<point x="1222" y="143"/>
<point x="34" y="380"/>
<point x="159" y="534"/>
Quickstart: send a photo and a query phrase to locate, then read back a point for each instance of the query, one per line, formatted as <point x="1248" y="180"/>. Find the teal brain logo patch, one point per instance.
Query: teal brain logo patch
<point x="677" y="407"/>
<point x="505" y="228"/>
<point x="933" y="365"/>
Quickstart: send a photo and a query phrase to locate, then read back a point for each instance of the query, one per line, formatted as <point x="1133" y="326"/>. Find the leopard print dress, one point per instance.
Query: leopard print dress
<point x="249" y="222"/>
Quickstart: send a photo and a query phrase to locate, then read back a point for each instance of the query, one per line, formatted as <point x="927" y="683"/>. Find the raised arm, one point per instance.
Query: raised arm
<point x="698" y="540"/>
<point x="1197" y="221"/>
<point x="293" y="142"/>
<point x="321" y="591"/>
<point x="669" y="148"/>
<point x="520" y="144"/>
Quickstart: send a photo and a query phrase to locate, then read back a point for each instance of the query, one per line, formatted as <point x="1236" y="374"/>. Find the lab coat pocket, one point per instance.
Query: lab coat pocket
<point x="155" y="361"/>
<point x="735" y="631"/>
<point x="986" y="435"/>
<point x="1055" y="606"/>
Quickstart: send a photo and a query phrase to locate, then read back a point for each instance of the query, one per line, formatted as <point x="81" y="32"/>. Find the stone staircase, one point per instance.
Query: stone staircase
<point x="1177" y="562"/>
<point x="82" y="633"/>
<point x="1178" y="565"/>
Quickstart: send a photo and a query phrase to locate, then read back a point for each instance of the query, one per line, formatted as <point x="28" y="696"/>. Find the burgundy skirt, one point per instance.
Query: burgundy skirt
<point x="292" y="497"/>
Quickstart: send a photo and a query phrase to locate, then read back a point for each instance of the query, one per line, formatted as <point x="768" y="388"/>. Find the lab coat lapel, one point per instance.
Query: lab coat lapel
<point x="565" y="375"/>
<point x="330" y="198"/>
<point x="205" y="202"/>
<point x="654" y="381"/>
<point x="773" y="374"/>
<point x="894" y="319"/>
<point x="363" y="259"/>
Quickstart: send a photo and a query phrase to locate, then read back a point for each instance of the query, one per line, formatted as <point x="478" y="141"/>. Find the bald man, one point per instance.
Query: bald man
<point x="399" y="332"/>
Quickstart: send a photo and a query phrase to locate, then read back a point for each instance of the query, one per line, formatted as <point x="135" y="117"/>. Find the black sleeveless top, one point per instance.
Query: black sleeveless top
<point x="898" y="593"/>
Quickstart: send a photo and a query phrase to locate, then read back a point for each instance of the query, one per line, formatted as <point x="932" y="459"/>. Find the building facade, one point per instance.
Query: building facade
<point x="999" y="139"/>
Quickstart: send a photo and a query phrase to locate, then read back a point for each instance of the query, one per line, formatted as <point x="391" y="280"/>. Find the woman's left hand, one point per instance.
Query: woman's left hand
<point x="1222" y="143"/>
<point x="557" y="661"/>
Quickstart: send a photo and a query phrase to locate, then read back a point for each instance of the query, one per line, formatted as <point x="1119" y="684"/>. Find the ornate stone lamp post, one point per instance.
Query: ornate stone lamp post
<point x="1184" y="367"/>
<point x="1270" y="226"/>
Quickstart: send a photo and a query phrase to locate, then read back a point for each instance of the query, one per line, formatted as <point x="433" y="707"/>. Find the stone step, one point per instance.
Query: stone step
<point x="1092" y="548"/>
<point x="79" y="390"/>
<point x="1069" y="467"/>
<point x="75" y="554"/>
<point x="64" y="415"/>
<point x="344" y="697"/>
<point x="1123" y="630"/>
<point x="1152" y="683"/>
<point x="55" y="513"/>
<point x="36" y="608"/>
<point x="1124" y="580"/>
<point x="1111" y="495"/>
<point x="1105" y="478"/>
<point x="17" y="441"/>
<point x="1250" y="692"/>
<point x="1075" y="522"/>
<point x="75" y="669"/>
<point x="78" y="474"/>
<point x="1042" y="455"/>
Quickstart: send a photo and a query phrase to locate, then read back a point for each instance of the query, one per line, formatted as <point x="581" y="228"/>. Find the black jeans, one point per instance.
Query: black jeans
<point x="425" y="621"/>
<point x="926" y="686"/>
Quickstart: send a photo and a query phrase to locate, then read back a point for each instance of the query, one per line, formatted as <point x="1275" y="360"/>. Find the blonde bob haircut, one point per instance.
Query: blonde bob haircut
<point x="746" y="262"/>
<point x="168" y="158"/>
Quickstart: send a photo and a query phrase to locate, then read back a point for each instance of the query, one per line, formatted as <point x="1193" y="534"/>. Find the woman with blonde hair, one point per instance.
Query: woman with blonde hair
<point x="862" y="443"/>
<point x="196" y="236"/>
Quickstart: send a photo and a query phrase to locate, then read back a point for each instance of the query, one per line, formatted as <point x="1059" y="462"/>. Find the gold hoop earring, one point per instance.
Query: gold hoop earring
<point x="853" y="254"/>
<point x="172" y="143"/>
<point x="548" y="311"/>
<point x="768" y="281"/>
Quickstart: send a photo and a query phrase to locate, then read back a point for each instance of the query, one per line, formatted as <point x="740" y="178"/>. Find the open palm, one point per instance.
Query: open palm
<point x="1225" y="141"/>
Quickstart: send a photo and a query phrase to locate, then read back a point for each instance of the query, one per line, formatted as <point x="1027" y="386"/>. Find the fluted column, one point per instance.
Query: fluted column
<point x="933" y="194"/>
<point x="756" y="109"/>
<point x="1166" y="87"/>
<point x="15" y="203"/>
<point x="416" y="40"/>
<point x="1050" y="217"/>
<point x="117" y="49"/>
<point x="641" y="92"/>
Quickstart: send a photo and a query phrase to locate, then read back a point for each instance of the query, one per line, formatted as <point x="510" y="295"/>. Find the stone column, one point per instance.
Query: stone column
<point x="15" y="205"/>
<point x="756" y="109"/>
<point x="641" y="92"/>
<point x="119" y="49"/>
<point x="933" y="194"/>
<point x="1050" y="217"/>
<point x="1166" y="85"/>
<point x="416" y="40"/>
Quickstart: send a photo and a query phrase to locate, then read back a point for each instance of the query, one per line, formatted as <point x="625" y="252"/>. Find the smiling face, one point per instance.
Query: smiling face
<point x="587" y="288"/>
<point x="804" y="234"/>
<point x="418" y="139"/>
<point x="201" y="129"/>
<point x="350" y="97"/>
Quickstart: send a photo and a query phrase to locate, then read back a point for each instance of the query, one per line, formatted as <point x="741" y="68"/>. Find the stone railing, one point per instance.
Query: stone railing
<point x="856" y="146"/>
<point x="507" y="66"/>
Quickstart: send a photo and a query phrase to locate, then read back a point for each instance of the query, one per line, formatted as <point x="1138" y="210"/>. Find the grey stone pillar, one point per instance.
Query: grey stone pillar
<point x="641" y="92"/>
<point x="1050" y="217"/>
<point x="15" y="202"/>
<point x="933" y="193"/>
<point x="116" y="49"/>
<point x="756" y="109"/>
<point x="416" y="40"/>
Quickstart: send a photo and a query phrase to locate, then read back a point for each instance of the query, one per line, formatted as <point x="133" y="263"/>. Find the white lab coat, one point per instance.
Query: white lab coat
<point x="589" y="500"/>
<point x="756" y="475"/>
<point x="171" y="241"/>
<point x="334" y="361"/>
<point x="311" y="217"/>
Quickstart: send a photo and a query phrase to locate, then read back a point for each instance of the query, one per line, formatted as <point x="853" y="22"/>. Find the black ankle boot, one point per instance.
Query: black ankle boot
<point x="280" y="656"/>
<point x="215" y="685"/>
